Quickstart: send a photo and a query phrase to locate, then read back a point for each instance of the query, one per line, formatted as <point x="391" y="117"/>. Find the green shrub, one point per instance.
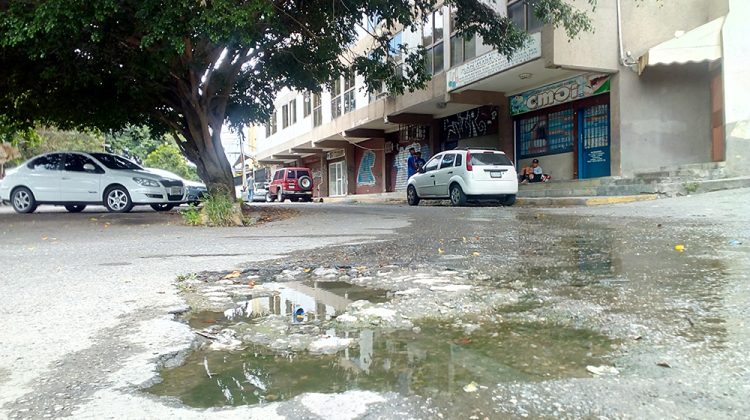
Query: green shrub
<point x="192" y="215"/>
<point x="221" y="211"/>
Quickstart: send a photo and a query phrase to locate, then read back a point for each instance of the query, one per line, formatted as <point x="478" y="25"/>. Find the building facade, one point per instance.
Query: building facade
<point x="652" y="85"/>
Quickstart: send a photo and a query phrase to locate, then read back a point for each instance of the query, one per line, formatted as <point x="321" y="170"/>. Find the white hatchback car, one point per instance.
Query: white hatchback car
<point x="75" y="180"/>
<point x="462" y="175"/>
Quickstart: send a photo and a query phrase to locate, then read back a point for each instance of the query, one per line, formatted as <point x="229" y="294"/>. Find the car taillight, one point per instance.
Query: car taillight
<point x="469" y="167"/>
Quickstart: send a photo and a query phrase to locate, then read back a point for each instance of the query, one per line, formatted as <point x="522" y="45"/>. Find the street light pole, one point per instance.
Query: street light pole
<point x="242" y="159"/>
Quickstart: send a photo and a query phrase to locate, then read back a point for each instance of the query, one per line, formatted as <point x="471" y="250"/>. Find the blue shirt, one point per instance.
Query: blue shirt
<point x="410" y="170"/>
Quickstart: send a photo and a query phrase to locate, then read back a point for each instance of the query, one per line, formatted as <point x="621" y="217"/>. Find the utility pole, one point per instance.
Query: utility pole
<point x="242" y="159"/>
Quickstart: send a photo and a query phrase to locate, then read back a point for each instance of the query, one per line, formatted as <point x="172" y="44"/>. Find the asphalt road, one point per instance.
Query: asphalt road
<point x="86" y="298"/>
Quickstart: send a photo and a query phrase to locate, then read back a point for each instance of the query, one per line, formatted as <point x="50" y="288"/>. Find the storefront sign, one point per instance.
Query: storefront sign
<point x="335" y="154"/>
<point x="569" y="90"/>
<point x="492" y="63"/>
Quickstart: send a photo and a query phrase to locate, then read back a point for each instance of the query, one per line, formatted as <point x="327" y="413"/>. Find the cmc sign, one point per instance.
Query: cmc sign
<point x="558" y="93"/>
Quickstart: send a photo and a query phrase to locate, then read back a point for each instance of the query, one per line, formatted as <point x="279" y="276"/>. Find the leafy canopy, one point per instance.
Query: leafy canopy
<point x="168" y="157"/>
<point x="185" y="66"/>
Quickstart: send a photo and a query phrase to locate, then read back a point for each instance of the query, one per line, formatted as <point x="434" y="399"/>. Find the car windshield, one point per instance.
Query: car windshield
<point x="300" y="174"/>
<point x="114" y="161"/>
<point x="489" y="158"/>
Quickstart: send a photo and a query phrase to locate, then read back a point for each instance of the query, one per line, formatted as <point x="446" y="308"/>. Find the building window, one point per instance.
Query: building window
<point x="271" y="127"/>
<point x="292" y="111"/>
<point x="522" y="14"/>
<point x="336" y="99"/>
<point x="317" y="105"/>
<point x="395" y="54"/>
<point x="306" y="104"/>
<point x="350" y="101"/>
<point x="546" y="134"/>
<point x="462" y="49"/>
<point x="285" y="116"/>
<point x="432" y="40"/>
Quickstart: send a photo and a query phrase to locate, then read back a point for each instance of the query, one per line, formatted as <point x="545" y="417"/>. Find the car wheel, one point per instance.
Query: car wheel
<point x="458" y="198"/>
<point x="280" y="195"/>
<point x="411" y="196"/>
<point x="162" y="207"/>
<point x="269" y="197"/>
<point x="75" y="208"/>
<point x="117" y="199"/>
<point x="509" y="200"/>
<point x="23" y="200"/>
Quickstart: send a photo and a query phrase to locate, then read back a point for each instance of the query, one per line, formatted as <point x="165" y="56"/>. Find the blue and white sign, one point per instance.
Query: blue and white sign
<point x="492" y="63"/>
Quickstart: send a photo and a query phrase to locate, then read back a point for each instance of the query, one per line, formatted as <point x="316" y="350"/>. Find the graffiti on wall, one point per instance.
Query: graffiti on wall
<point x="476" y="122"/>
<point x="399" y="164"/>
<point x="365" y="176"/>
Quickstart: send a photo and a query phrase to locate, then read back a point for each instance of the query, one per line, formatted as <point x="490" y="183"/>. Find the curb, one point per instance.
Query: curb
<point x="521" y="201"/>
<point x="584" y="201"/>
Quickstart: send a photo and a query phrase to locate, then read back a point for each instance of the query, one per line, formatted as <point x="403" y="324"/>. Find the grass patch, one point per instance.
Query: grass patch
<point x="215" y="211"/>
<point x="220" y="210"/>
<point x="192" y="215"/>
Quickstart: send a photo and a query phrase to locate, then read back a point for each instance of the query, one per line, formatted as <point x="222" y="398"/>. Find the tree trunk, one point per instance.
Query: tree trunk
<point x="202" y="146"/>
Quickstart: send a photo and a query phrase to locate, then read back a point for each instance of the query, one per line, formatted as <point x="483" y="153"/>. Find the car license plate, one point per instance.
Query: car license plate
<point x="496" y="174"/>
<point x="175" y="191"/>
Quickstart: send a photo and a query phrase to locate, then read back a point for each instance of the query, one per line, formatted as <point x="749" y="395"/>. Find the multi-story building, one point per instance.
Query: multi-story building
<point x="654" y="84"/>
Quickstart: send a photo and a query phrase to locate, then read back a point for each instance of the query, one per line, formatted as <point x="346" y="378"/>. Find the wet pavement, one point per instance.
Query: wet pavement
<point x="585" y="303"/>
<point x="481" y="312"/>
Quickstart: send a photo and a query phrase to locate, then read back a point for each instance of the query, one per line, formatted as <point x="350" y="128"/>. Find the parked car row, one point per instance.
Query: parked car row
<point x="75" y="180"/>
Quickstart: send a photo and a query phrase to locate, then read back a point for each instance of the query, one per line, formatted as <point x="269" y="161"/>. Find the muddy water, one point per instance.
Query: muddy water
<point x="437" y="361"/>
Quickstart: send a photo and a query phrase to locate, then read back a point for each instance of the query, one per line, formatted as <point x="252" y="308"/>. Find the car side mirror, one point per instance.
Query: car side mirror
<point x="421" y="170"/>
<point x="88" y="167"/>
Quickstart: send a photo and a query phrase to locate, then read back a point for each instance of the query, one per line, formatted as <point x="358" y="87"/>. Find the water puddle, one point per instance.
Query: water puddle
<point x="319" y="300"/>
<point x="435" y="360"/>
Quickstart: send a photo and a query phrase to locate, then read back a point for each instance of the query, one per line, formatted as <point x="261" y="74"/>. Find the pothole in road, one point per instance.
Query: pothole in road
<point x="354" y="337"/>
<point x="436" y="359"/>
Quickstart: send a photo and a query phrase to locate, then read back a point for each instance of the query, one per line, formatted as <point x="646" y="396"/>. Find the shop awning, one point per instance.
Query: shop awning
<point x="700" y="44"/>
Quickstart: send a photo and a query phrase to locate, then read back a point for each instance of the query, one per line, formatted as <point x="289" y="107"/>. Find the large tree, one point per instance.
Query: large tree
<point x="186" y="67"/>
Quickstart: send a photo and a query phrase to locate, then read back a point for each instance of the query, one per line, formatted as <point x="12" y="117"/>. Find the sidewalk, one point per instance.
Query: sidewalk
<point x="399" y="198"/>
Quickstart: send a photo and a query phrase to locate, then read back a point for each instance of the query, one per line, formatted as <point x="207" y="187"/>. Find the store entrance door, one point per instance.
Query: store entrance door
<point x="593" y="142"/>
<point x="337" y="179"/>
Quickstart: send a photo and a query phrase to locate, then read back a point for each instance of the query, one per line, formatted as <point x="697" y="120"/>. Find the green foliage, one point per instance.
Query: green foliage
<point x="192" y="215"/>
<point x="168" y="157"/>
<point x="135" y="142"/>
<point x="47" y="139"/>
<point x="185" y="67"/>
<point x="221" y="211"/>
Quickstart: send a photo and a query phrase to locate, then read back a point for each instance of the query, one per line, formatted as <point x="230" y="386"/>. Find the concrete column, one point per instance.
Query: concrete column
<point x="351" y="170"/>
<point x="505" y="129"/>
<point x="736" y="75"/>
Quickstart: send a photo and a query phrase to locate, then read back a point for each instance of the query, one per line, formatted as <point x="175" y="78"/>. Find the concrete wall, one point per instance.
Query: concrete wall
<point x="595" y="50"/>
<point x="737" y="87"/>
<point x="648" y="23"/>
<point x="559" y="166"/>
<point x="664" y="117"/>
<point x="370" y="161"/>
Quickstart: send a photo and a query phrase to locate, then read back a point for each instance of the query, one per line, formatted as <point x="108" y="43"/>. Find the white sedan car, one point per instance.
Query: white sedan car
<point x="462" y="175"/>
<point x="75" y="180"/>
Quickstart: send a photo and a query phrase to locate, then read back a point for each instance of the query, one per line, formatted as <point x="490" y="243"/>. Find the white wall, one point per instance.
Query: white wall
<point x="664" y="117"/>
<point x="737" y="86"/>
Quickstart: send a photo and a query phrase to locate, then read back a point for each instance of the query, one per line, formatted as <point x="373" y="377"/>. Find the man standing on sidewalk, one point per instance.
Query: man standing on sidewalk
<point x="411" y="167"/>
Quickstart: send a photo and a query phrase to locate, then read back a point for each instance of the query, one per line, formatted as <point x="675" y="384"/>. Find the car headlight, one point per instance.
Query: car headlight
<point x="146" y="182"/>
